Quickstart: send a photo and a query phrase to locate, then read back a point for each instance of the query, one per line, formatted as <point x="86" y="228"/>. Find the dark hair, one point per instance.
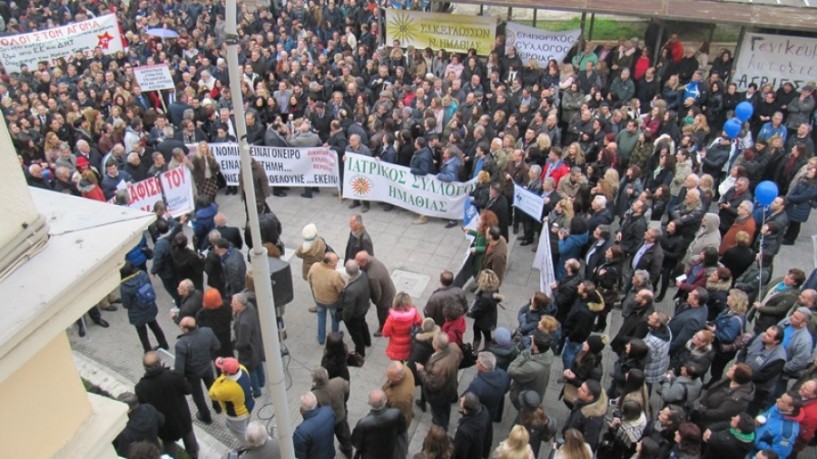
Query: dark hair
<point x="446" y="278"/>
<point x="742" y="374"/>
<point x="335" y="355"/>
<point x="649" y="449"/>
<point x="796" y="402"/>
<point x="694" y="369"/>
<point x="798" y="275"/>
<point x="634" y="381"/>
<point x="703" y="295"/>
<point x="541" y="340"/>
<point x="222" y="243"/>
<point x="631" y="410"/>
<point x="540" y="300"/>
<point x="437" y="444"/>
<point x="594" y="388"/>
<point x="143" y="450"/>
<point x="180" y="240"/>
<point x="471" y="403"/>
<point x="638" y="349"/>
<point x="618" y="254"/>
<point x="778" y="332"/>
<point x="578" y="225"/>
<point x="710" y="256"/>
<point x="126" y="270"/>
<point x="495" y="232"/>
<point x="690" y="439"/>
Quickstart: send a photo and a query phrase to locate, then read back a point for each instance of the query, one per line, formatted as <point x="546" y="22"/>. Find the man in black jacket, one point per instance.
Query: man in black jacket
<point x="375" y="435"/>
<point x="166" y="390"/>
<point x="193" y="350"/>
<point x="490" y="384"/>
<point x="231" y="233"/>
<point x="354" y="306"/>
<point x="498" y="204"/>
<point x="565" y="291"/>
<point x="634" y="325"/>
<point x="472" y="433"/>
<point x="579" y="323"/>
<point x="143" y="424"/>
<point x="587" y="415"/>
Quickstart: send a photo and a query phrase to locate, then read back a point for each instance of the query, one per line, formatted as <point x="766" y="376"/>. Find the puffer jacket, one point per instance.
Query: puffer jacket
<point x="137" y="256"/>
<point x="311" y="255"/>
<point x="398" y="329"/>
<point x="204" y="224"/>
<point x="138" y="313"/>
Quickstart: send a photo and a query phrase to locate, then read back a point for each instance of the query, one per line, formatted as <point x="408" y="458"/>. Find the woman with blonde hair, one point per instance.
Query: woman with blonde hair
<point x="574" y="155"/>
<point x="608" y="185"/>
<point x="484" y="310"/>
<point x="517" y="445"/>
<point x="89" y="186"/>
<point x="728" y="327"/>
<point x="574" y="447"/>
<point x="402" y="317"/>
<point x="567" y="77"/>
<point x="205" y="171"/>
<point x="52" y="147"/>
<point x="707" y="186"/>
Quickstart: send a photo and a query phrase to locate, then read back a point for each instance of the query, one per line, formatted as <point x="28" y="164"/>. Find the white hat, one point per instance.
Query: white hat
<point x="310" y="232"/>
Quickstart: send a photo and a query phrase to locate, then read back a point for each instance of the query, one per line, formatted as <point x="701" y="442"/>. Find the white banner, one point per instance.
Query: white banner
<point x="538" y="44"/>
<point x="528" y="202"/>
<point x="60" y="42"/>
<point x="177" y="185"/>
<point x="543" y="261"/>
<point x="153" y="77"/>
<point x="143" y="195"/>
<point x="452" y="32"/>
<point x="368" y="179"/>
<point x="776" y="59"/>
<point x="311" y="167"/>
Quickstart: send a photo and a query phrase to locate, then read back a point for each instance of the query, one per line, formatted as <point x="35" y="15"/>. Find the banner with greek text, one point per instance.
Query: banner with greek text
<point x="60" y="42"/>
<point x="153" y="77"/>
<point x="528" y="202"/>
<point x="452" y="32"/>
<point x="775" y="59"/>
<point x="143" y="195"/>
<point x="311" y="167"/>
<point x="368" y="179"/>
<point x="543" y="261"/>
<point x="538" y="44"/>
<point x="177" y="185"/>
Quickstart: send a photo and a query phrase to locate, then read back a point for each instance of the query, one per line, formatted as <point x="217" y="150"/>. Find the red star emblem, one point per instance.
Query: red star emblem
<point x="104" y="40"/>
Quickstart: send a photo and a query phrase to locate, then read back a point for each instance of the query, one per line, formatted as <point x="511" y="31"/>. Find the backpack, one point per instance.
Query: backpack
<point x="145" y="294"/>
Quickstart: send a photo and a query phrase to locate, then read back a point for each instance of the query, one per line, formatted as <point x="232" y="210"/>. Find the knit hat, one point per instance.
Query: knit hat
<point x="596" y="343"/>
<point x="428" y="325"/>
<point x="529" y="399"/>
<point x="310" y="232"/>
<point x="227" y="365"/>
<point x="502" y="338"/>
<point x="212" y="299"/>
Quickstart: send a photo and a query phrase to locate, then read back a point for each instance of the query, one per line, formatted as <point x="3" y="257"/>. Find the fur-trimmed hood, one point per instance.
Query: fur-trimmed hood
<point x="597" y="408"/>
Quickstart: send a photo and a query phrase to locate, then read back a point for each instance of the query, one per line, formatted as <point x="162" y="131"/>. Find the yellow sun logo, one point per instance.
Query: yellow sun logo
<point x="361" y="186"/>
<point x="402" y="27"/>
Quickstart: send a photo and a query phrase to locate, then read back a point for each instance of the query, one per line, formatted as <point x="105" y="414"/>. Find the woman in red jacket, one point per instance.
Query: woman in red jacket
<point x="402" y="317"/>
<point x="454" y="324"/>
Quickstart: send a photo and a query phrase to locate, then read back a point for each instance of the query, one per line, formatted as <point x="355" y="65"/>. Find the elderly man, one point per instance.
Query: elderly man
<point x="166" y="390"/>
<point x="600" y="214"/>
<point x="231" y="233"/>
<point x="808" y="414"/>
<point x="490" y="384"/>
<point x="381" y="287"/>
<point x="233" y="265"/>
<point x="649" y="256"/>
<point x="530" y="370"/>
<point x="314" y="437"/>
<point x="798" y="344"/>
<point x="247" y="340"/>
<point x="327" y="286"/>
<point x="777" y="299"/>
<point x="688" y="215"/>
<point x="376" y="435"/>
<point x="259" y="444"/>
<point x="446" y="293"/>
<point x="399" y="390"/>
<point x="690" y="316"/>
<point x="355" y="305"/>
<point x="359" y="238"/>
<point x="474" y="436"/>
<point x="233" y="393"/>
<point x="334" y="393"/>
<point x="439" y="378"/>
<point x="729" y="202"/>
<point x="193" y="350"/>
<point x="191" y="298"/>
<point x="634" y="324"/>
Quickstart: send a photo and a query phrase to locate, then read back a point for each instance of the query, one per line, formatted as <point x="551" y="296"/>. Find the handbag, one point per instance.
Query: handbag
<point x="355" y="360"/>
<point x="570" y="394"/>
<point x="469" y="356"/>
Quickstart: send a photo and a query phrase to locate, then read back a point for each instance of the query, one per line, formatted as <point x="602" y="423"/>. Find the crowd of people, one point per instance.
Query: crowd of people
<point x="645" y="195"/>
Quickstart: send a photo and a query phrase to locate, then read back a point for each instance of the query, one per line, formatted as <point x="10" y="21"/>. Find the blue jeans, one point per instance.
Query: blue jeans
<point x="322" y="308"/>
<point x="258" y="379"/>
<point x="569" y="352"/>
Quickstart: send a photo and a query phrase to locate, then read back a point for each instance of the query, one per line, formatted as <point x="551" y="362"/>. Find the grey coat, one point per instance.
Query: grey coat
<point x="529" y="372"/>
<point x="247" y="333"/>
<point x="235" y="270"/>
<point x="355" y="298"/>
<point x="381" y="287"/>
<point x="193" y="351"/>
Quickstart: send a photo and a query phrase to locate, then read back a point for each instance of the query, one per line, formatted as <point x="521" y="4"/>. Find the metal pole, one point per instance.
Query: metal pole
<point x="534" y="17"/>
<point x="592" y="23"/>
<point x="260" y="264"/>
<point x="482" y="10"/>
<point x="582" y="40"/>
<point x="656" y="52"/>
<point x="510" y="12"/>
<point x="741" y="37"/>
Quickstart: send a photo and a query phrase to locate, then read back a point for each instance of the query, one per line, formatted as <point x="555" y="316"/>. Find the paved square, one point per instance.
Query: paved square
<point x="412" y="283"/>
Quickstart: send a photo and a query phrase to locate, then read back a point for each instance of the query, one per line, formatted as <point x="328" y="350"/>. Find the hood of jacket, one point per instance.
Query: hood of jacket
<point x="597" y="408"/>
<point x="403" y="316"/>
<point x="718" y="285"/>
<point x="709" y="223"/>
<point x="497" y="379"/>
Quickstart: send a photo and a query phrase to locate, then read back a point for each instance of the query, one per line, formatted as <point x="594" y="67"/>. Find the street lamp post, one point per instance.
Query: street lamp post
<point x="260" y="264"/>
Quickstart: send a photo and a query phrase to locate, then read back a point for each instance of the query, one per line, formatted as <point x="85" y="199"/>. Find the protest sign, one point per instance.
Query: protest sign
<point x="528" y="202"/>
<point x="452" y="32"/>
<point x="153" y="77"/>
<point x="775" y="59"/>
<point x="368" y="179"/>
<point x="60" y="42"/>
<point x="543" y="261"/>
<point x="310" y="167"/>
<point x="143" y="195"/>
<point x="177" y="185"/>
<point x="540" y="45"/>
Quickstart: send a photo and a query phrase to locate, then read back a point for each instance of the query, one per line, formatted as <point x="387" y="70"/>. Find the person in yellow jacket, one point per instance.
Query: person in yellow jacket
<point x="233" y="392"/>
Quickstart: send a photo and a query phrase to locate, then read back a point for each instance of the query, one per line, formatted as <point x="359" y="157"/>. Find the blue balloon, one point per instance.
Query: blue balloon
<point x="732" y="127"/>
<point x="744" y="111"/>
<point x="766" y="192"/>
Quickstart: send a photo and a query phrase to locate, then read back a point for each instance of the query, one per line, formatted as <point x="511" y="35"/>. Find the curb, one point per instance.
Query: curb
<point x="115" y="384"/>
